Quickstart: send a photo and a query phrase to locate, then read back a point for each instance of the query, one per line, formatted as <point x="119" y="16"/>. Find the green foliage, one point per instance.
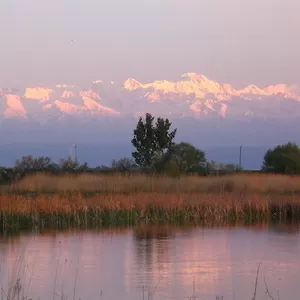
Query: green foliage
<point x="216" y="166"/>
<point x="151" y="141"/>
<point x="187" y="156"/>
<point x="182" y="158"/>
<point x="171" y="168"/>
<point x="69" y="165"/>
<point x="283" y="159"/>
<point x="164" y="138"/>
<point x="7" y="175"/>
<point x="144" y="141"/>
<point x="124" y="164"/>
<point x="30" y="163"/>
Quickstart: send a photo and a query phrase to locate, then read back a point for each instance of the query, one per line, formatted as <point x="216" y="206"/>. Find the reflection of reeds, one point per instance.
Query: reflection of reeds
<point x="16" y="288"/>
<point x="154" y="232"/>
<point x="239" y="183"/>
<point x="76" y="210"/>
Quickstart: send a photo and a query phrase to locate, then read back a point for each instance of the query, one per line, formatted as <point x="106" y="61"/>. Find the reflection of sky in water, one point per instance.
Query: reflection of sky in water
<point x="215" y="261"/>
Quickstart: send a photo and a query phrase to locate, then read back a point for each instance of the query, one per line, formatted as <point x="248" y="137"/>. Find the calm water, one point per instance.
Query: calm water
<point x="172" y="262"/>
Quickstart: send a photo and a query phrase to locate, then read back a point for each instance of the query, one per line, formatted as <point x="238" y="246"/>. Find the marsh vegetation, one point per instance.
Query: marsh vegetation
<point x="115" y="200"/>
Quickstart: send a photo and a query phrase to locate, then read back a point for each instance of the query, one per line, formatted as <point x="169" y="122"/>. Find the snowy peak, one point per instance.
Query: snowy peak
<point x="131" y="84"/>
<point x="202" y="87"/>
<point x="64" y="86"/>
<point x="14" y="106"/>
<point x="38" y="93"/>
<point x="194" y="76"/>
<point x="191" y="94"/>
<point x="89" y="93"/>
<point x="95" y="107"/>
<point x="67" y="94"/>
<point x="202" y="82"/>
<point x="192" y="84"/>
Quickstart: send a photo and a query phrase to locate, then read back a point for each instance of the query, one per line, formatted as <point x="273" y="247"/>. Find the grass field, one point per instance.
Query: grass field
<point x="45" y="201"/>
<point x="117" y="184"/>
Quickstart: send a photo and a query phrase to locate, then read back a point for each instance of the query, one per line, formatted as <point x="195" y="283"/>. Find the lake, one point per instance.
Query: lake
<point x="158" y="262"/>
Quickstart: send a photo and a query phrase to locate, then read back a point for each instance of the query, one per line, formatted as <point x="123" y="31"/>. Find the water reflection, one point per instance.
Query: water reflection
<point x="284" y="229"/>
<point x="146" y="232"/>
<point x="120" y="263"/>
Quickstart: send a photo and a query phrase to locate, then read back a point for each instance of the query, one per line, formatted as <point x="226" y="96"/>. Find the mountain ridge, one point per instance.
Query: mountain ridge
<point x="192" y="95"/>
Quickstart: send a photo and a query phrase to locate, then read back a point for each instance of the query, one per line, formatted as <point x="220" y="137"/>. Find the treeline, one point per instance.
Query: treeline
<point x="155" y="152"/>
<point x="30" y="165"/>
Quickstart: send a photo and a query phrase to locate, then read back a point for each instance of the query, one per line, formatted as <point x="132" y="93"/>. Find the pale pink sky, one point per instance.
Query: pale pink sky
<point x="234" y="41"/>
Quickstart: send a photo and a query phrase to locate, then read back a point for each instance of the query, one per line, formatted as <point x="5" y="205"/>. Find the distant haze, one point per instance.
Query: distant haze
<point x="77" y="41"/>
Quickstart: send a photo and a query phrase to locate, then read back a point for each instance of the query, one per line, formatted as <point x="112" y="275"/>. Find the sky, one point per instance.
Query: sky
<point x="76" y="41"/>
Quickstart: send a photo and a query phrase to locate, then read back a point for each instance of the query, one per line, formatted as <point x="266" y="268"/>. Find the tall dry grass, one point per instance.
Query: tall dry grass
<point x="259" y="183"/>
<point x="88" y="200"/>
<point x="61" y="211"/>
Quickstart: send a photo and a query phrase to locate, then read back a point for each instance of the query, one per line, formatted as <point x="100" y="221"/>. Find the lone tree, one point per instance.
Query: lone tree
<point x="151" y="140"/>
<point x="283" y="159"/>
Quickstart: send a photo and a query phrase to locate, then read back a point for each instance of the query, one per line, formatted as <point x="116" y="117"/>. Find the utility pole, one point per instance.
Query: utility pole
<point x="240" y="160"/>
<point x="75" y="159"/>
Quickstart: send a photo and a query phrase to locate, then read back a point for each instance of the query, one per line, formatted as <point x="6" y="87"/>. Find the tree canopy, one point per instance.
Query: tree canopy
<point x="123" y="164"/>
<point x="30" y="163"/>
<point x="283" y="159"/>
<point x="186" y="156"/>
<point x="151" y="140"/>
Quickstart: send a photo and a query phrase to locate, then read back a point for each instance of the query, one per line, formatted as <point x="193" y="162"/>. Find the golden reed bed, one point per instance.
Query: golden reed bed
<point x="70" y="203"/>
<point x="87" y="200"/>
<point x="77" y="210"/>
<point x="239" y="183"/>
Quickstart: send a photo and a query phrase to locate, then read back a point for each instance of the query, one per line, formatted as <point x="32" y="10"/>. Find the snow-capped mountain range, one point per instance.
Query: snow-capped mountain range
<point x="100" y="118"/>
<point x="192" y="95"/>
